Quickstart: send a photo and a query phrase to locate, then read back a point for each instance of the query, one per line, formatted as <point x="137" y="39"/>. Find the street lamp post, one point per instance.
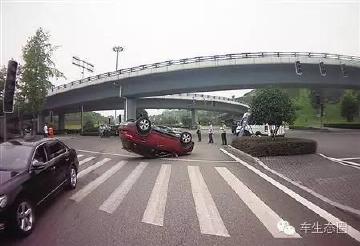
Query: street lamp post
<point x="117" y="49"/>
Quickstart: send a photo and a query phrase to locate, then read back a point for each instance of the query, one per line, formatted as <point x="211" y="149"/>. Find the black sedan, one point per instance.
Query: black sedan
<point x="30" y="172"/>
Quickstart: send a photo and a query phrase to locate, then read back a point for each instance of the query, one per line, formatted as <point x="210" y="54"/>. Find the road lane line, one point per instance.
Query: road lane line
<point x="347" y="159"/>
<point x="78" y="156"/>
<point x="92" y="167"/>
<point x="264" y="213"/>
<point x="86" y="160"/>
<point x="116" y="197"/>
<point x="344" y="163"/>
<point x="90" y="187"/>
<point x="106" y="153"/>
<point x="208" y="216"/>
<point x="155" y="209"/>
<point x="351" y="231"/>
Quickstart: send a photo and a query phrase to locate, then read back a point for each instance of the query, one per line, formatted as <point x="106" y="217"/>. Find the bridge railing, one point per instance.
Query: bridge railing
<point x="201" y="59"/>
<point x="201" y="97"/>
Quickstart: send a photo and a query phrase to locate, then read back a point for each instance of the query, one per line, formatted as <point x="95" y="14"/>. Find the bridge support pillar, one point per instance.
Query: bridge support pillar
<point x="61" y="122"/>
<point x="130" y="109"/>
<point x="194" y="119"/>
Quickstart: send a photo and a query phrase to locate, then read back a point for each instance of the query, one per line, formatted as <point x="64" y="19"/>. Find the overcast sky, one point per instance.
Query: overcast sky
<point x="152" y="31"/>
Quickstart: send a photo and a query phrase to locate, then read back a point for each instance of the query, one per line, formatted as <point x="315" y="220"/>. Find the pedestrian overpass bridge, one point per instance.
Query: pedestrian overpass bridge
<point x="208" y="73"/>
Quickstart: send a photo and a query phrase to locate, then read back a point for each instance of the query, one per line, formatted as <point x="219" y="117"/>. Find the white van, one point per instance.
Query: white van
<point x="266" y="129"/>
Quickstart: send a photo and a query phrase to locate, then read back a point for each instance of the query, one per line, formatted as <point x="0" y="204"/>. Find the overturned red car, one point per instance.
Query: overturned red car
<point x="154" y="141"/>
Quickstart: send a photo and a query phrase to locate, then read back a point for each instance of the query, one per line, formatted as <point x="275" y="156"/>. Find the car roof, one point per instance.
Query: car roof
<point x="32" y="142"/>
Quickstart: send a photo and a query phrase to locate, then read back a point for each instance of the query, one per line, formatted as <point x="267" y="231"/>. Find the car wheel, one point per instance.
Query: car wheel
<point x="72" y="178"/>
<point x="258" y="133"/>
<point x="143" y="125"/>
<point x="22" y="218"/>
<point x="185" y="137"/>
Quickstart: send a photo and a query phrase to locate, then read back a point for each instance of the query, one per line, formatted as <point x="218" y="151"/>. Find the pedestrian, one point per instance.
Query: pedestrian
<point x="223" y="134"/>
<point x="198" y="132"/>
<point x="46" y="132"/>
<point x="211" y="132"/>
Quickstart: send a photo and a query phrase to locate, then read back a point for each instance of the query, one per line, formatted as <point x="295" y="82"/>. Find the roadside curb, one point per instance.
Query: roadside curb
<point x="302" y="187"/>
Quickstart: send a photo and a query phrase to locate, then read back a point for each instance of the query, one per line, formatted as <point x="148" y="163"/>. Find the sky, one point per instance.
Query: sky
<point x="159" y="30"/>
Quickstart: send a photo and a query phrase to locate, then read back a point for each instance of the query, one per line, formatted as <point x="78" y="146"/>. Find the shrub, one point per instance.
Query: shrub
<point x="344" y="125"/>
<point x="267" y="146"/>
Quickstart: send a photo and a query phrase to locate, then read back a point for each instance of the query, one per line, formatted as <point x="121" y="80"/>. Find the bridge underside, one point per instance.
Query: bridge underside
<point x="151" y="103"/>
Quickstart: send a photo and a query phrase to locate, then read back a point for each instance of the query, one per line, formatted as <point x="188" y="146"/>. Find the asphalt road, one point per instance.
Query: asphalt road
<point x="206" y="198"/>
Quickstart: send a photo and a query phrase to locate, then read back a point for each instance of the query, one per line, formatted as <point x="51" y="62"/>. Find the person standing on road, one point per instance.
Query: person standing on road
<point x="198" y="132"/>
<point x="223" y="134"/>
<point x="211" y="132"/>
<point x="46" y="132"/>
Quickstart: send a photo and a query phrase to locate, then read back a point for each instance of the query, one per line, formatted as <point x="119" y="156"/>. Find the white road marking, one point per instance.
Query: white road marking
<point x="78" y="156"/>
<point x="312" y="192"/>
<point x="90" y="187"/>
<point x="86" y="160"/>
<point x="116" y="197"/>
<point x="105" y="153"/>
<point x="344" y="163"/>
<point x="347" y="159"/>
<point x="93" y="167"/>
<point x="207" y="213"/>
<point x="264" y="213"/>
<point x="197" y="160"/>
<point x="155" y="209"/>
<point x="351" y="231"/>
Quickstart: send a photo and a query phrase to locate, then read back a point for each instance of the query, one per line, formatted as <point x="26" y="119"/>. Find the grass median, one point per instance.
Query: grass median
<point x="267" y="146"/>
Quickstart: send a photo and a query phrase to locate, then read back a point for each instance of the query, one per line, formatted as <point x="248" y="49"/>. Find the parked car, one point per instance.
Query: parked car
<point x="154" y="141"/>
<point x="30" y="172"/>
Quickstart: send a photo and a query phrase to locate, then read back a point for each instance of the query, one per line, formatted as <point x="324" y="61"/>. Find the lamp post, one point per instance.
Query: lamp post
<point x="117" y="49"/>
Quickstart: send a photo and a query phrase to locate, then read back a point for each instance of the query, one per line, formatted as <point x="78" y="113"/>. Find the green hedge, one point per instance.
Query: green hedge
<point x="344" y="125"/>
<point x="266" y="146"/>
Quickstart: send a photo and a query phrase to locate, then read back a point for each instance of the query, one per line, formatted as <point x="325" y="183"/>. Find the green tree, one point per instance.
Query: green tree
<point x="349" y="105"/>
<point x="272" y="106"/>
<point x="37" y="70"/>
<point x="186" y="120"/>
<point x="2" y="86"/>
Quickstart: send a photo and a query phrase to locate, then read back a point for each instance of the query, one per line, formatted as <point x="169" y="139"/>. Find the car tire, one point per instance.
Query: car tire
<point x="22" y="218"/>
<point x="185" y="138"/>
<point x="143" y="125"/>
<point x="258" y="133"/>
<point x="71" y="178"/>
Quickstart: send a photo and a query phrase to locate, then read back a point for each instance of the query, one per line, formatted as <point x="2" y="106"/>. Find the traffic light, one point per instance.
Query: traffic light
<point x="344" y="70"/>
<point x="298" y="68"/>
<point x="322" y="69"/>
<point x="10" y="83"/>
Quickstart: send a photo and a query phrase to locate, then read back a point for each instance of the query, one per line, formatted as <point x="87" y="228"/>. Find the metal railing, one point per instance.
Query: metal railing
<point x="200" y="97"/>
<point x="214" y="58"/>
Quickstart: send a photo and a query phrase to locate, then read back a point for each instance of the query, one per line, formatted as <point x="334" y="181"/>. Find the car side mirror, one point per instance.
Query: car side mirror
<point x="37" y="165"/>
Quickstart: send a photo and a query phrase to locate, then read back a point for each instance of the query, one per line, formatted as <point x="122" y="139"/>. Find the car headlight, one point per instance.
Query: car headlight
<point x="3" y="201"/>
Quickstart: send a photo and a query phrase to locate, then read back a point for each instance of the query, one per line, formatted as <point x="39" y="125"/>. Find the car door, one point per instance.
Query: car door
<point x="59" y="157"/>
<point x="41" y="182"/>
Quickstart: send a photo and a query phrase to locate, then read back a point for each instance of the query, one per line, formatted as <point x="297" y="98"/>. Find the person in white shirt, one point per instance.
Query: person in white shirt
<point x="46" y="132"/>
<point x="211" y="132"/>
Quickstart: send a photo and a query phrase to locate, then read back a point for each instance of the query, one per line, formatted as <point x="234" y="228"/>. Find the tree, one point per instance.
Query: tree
<point x="2" y="86"/>
<point x="349" y="105"/>
<point x="37" y="70"/>
<point x="186" y="120"/>
<point x="272" y="106"/>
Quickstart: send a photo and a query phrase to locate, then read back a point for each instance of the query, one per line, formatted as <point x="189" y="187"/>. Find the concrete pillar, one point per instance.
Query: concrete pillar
<point x="194" y="119"/>
<point x="130" y="109"/>
<point x="61" y="123"/>
<point x="82" y="119"/>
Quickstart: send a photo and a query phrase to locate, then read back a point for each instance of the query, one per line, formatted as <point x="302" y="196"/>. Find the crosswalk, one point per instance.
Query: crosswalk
<point x="209" y="219"/>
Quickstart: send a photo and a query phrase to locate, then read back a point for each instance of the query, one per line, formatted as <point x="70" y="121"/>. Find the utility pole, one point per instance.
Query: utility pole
<point x="117" y="49"/>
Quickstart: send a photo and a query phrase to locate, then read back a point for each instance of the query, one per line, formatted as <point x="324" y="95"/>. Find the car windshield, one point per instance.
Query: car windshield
<point x="14" y="157"/>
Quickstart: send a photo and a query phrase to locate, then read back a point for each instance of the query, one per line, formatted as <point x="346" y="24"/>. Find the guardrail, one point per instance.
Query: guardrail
<point x="200" y="97"/>
<point x="200" y="59"/>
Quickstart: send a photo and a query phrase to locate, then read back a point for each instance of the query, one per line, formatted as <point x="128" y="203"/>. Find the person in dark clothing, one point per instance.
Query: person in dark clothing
<point x="198" y="132"/>
<point x="223" y="134"/>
